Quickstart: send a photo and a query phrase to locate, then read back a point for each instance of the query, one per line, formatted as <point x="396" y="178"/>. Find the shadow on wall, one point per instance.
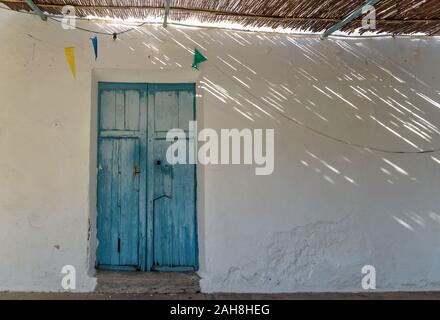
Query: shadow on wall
<point x="372" y="126"/>
<point x="345" y="91"/>
<point x="348" y="92"/>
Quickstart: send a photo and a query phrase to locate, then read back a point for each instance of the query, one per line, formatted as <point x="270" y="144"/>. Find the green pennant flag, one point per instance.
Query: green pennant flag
<point x="198" y="57"/>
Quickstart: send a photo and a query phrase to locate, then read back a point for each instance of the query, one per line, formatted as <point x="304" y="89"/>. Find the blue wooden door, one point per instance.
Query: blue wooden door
<point x="146" y="206"/>
<point x="121" y="176"/>
<point x="173" y="190"/>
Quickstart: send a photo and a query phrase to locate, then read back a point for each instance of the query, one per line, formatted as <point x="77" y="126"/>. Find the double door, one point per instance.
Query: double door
<point x="146" y="206"/>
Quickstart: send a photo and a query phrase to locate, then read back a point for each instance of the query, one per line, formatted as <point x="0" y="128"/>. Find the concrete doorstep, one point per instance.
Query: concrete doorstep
<point x="147" y="282"/>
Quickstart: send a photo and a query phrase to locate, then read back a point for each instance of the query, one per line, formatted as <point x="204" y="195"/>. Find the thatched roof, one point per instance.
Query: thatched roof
<point x="393" y="16"/>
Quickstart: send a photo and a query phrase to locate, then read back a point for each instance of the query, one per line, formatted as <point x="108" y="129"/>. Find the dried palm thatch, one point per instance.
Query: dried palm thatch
<point x="392" y="16"/>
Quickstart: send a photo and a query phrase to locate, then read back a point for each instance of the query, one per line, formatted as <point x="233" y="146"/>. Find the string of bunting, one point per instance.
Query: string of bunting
<point x="70" y="56"/>
<point x="70" y="51"/>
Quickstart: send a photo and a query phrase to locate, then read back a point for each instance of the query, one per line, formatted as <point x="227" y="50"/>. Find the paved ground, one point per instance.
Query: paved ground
<point x="225" y="296"/>
<point x="185" y="286"/>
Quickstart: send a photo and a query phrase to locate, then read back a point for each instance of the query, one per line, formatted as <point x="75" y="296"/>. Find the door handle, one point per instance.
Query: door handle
<point x="164" y="168"/>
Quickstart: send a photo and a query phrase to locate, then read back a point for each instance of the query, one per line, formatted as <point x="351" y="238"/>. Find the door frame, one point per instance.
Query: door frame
<point x="146" y="235"/>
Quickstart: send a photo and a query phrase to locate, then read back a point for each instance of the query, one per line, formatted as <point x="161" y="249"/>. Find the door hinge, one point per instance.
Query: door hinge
<point x="119" y="244"/>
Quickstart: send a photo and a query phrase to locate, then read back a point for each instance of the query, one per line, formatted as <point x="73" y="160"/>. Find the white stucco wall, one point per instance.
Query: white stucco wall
<point x="328" y="209"/>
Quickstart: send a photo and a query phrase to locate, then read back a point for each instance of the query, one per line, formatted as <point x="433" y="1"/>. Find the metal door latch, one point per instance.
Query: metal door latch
<point x="136" y="171"/>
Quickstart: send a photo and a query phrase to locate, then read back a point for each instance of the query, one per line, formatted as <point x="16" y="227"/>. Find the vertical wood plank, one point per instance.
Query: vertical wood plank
<point x="129" y="200"/>
<point x="108" y="109"/>
<point x="166" y="110"/>
<point x="163" y="215"/>
<point x="120" y="110"/>
<point x="132" y="110"/>
<point x="150" y="178"/>
<point x="105" y="169"/>
<point x="143" y="151"/>
<point x="115" y="204"/>
<point x="186" y="109"/>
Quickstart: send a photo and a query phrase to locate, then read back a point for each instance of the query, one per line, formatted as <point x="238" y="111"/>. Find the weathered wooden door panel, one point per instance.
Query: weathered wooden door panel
<point x="174" y="212"/>
<point x="108" y="193"/>
<point x="174" y="190"/>
<point x="121" y="176"/>
<point x="118" y="202"/>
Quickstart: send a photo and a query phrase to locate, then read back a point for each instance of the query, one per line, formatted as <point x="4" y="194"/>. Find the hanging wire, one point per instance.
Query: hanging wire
<point x="100" y="32"/>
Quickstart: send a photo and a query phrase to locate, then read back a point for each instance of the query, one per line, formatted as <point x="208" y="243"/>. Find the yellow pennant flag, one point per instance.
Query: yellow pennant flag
<point x="70" y="56"/>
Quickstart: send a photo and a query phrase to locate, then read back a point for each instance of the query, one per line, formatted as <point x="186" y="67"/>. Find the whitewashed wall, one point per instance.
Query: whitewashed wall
<point x="328" y="209"/>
